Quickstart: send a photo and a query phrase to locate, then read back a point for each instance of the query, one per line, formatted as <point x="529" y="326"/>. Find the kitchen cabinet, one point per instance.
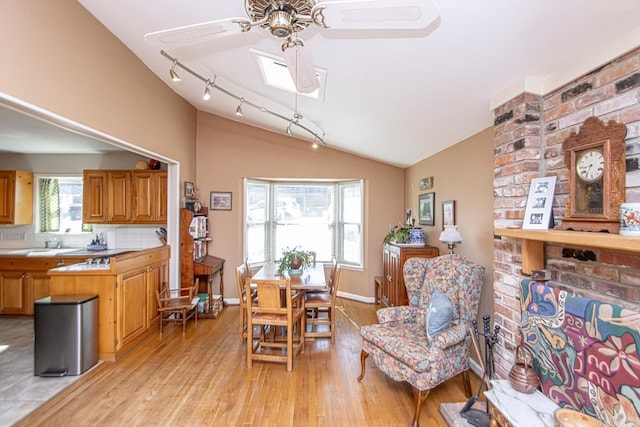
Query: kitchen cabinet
<point x="126" y="289"/>
<point x="124" y="197"/>
<point x="13" y="292"/>
<point x="106" y="197"/>
<point x="149" y="196"/>
<point x="16" y="197"/>
<point x="393" y="292"/>
<point x="24" y="280"/>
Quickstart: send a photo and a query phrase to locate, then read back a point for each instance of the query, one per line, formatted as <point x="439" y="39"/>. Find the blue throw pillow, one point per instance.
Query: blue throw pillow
<point x="439" y="313"/>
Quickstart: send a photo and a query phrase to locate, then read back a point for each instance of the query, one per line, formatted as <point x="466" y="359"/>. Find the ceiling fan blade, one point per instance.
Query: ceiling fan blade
<point x="378" y="14"/>
<point x="300" y="65"/>
<point x="196" y="33"/>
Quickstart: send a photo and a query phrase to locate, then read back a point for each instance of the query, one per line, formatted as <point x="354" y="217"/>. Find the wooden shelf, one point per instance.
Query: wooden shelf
<point x="533" y="243"/>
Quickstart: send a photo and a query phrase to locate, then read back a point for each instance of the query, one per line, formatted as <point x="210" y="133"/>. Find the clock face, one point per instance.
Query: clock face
<point x="590" y="165"/>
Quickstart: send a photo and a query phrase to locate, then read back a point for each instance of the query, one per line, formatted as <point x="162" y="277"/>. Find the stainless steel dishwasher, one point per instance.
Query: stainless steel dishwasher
<point x="66" y="334"/>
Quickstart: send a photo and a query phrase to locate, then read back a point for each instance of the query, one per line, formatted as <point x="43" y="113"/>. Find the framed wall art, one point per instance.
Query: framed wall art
<point x="448" y="213"/>
<point x="189" y="192"/>
<point x="425" y="183"/>
<point x="425" y="208"/>
<point x="220" y="201"/>
<point x="538" y="215"/>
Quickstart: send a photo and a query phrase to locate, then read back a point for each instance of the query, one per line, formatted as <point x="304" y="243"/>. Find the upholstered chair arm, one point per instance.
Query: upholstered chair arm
<point x="449" y="337"/>
<point x="401" y="314"/>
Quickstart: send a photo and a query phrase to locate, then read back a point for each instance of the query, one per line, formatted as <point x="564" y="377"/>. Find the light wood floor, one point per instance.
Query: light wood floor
<point x="201" y="378"/>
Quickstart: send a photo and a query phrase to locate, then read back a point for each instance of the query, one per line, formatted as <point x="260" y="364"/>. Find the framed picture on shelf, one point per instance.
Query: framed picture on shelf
<point x="538" y="214"/>
<point x="448" y="213"/>
<point x="189" y="192"/>
<point x="220" y="201"/>
<point x="425" y="208"/>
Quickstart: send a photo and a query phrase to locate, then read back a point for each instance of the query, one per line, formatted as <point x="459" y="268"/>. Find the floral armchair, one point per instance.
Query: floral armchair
<point x="400" y="344"/>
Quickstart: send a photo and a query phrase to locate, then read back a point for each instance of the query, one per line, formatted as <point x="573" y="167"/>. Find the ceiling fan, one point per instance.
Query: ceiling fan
<point x="284" y="19"/>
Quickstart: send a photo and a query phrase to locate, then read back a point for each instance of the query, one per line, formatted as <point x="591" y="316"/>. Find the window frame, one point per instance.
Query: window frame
<point x="337" y="225"/>
<point x="36" y="202"/>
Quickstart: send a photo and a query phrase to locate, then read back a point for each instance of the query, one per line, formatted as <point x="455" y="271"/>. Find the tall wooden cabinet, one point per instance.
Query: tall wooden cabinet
<point x="16" y="197"/>
<point x="393" y="292"/>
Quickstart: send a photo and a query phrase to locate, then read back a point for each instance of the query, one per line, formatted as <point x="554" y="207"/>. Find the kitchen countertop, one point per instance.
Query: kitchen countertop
<point x="80" y="252"/>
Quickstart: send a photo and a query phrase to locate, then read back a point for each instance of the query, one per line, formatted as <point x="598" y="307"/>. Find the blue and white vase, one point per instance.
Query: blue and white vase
<point x="416" y="236"/>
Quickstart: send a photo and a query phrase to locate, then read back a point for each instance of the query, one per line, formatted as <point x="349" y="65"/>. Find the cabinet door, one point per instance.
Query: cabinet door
<point x="132" y="305"/>
<point x="6" y="197"/>
<point x="386" y="277"/>
<point x="395" y="269"/>
<point x="119" y="197"/>
<point x="94" y="197"/>
<point x="156" y="280"/>
<point x="150" y="196"/>
<point x="40" y="284"/>
<point x="13" y="293"/>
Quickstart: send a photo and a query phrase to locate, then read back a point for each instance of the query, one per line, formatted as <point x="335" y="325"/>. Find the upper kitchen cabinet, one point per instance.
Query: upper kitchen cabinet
<point x="149" y="196"/>
<point x="125" y="197"/>
<point x="106" y="197"/>
<point x="16" y="197"/>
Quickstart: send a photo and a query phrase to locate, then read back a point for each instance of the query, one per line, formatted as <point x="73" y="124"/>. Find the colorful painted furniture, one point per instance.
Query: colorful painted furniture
<point x="399" y="345"/>
<point x="585" y="352"/>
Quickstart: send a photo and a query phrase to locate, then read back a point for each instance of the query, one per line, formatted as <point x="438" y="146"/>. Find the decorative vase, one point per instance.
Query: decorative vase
<point x="416" y="236"/>
<point x="522" y="376"/>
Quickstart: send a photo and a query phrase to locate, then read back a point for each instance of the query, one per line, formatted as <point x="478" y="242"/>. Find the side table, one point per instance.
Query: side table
<point x="509" y="407"/>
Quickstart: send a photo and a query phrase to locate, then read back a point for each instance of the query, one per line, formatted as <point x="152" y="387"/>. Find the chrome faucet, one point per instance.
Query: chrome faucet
<point x="53" y="243"/>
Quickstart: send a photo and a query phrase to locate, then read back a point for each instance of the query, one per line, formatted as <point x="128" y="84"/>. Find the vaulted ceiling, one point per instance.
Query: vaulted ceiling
<point x="397" y="97"/>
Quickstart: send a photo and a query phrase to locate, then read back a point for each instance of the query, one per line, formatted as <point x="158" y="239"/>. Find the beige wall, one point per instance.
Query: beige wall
<point x="58" y="57"/>
<point x="463" y="173"/>
<point x="229" y="151"/>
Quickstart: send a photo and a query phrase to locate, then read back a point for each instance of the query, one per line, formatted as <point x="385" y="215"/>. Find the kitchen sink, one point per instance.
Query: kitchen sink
<point x="42" y="251"/>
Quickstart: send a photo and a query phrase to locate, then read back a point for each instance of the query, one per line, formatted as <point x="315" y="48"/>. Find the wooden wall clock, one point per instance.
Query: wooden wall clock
<point x="597" y="171"/>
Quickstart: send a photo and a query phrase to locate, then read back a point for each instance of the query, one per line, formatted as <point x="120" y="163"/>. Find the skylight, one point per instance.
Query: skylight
<point x="275" y="74"/>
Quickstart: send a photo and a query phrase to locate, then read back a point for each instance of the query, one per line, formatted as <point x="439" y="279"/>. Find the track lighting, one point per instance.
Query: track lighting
<point x="239" y="109"/>
<point x="211" y="84"/>
<point x="172" y="72"/>
<point x="207" y="93"/>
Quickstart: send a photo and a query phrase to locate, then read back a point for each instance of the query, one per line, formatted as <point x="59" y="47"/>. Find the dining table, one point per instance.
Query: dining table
<point x="311" y="277"/>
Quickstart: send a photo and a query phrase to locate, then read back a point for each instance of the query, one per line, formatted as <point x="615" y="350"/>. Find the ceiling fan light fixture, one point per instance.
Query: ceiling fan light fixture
<point x="280" y="23"/>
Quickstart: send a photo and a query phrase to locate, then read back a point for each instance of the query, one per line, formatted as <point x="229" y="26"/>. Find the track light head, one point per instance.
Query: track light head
<point x="172" y="72"/>
<point x="239" y="112"/>
<point x="289" y="129"/>
<point x="207" y="93"/>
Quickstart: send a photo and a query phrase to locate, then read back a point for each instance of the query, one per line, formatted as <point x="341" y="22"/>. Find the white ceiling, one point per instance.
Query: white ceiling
<point x="392" y="98"/>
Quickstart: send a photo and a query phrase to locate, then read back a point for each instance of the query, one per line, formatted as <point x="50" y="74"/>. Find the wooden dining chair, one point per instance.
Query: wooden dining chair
<point x="178" y="305"/>
<point x="242" y="275"/>
<point x="321" y="307"/>
<point x="276" y="306"/>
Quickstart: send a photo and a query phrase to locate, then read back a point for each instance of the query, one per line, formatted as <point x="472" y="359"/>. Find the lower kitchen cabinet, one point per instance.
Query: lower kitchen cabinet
<point x="127" y="296"/>
<point x="14" y="292"/>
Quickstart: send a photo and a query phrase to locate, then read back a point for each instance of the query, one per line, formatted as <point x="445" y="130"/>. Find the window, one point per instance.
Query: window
<point x="59" y="207"/>
<point x="325" y="217"/>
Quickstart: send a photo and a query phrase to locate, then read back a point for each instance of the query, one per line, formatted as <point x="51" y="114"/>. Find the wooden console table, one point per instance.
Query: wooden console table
<point x="509" y="407"/>
<point x="206" y="268"/>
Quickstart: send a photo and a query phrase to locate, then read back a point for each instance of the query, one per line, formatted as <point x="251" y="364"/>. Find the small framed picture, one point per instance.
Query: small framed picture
<point x="188" y="190"/>
<point x="425" y="183"/>
<point x="220" y="201"/>
<point x="538" y="214"/>
<point x="448" y="213"/>
<point x="425" y="208"/>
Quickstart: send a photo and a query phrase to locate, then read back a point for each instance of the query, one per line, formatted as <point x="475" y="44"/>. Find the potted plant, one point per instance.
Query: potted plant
<point x="293" y="259"/>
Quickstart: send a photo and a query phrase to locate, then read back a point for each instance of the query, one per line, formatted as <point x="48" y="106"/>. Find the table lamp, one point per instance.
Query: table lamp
<point x="451" y="236"/>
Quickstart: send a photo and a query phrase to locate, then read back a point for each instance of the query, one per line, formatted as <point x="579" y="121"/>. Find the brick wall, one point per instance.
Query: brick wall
<point x="529" y="131"/>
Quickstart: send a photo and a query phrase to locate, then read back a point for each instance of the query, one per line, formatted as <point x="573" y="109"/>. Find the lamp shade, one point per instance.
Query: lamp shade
<point x="450" y="235"/>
